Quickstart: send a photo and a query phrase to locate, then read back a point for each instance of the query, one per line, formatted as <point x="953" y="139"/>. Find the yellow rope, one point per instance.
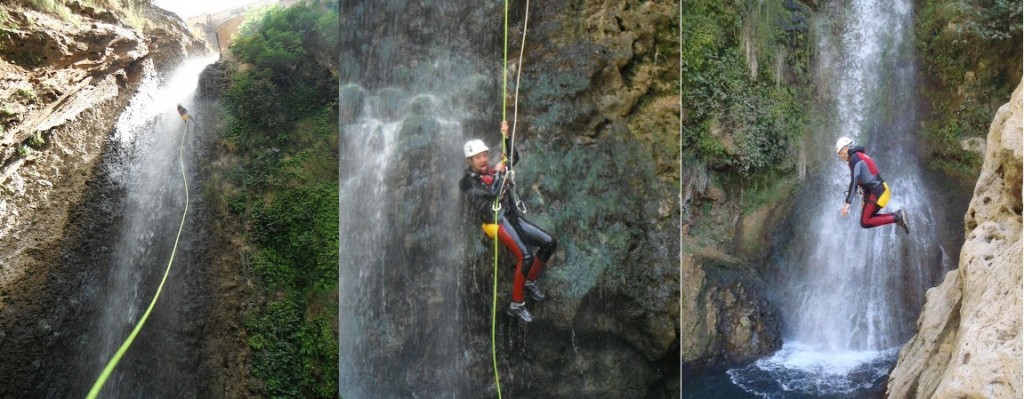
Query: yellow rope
<point x="98" y="385"/>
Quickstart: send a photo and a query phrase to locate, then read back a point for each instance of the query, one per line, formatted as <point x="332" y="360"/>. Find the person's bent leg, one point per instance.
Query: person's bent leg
<point x="869" y="216"/>
<point x="535" y="235"/>
<point x="511" y="240"/>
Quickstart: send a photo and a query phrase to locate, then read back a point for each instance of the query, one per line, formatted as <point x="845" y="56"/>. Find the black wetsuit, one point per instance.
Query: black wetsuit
<point x="514" y="231"/>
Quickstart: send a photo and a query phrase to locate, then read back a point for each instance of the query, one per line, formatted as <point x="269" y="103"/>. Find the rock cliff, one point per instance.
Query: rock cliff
<point x="726" y="317"/>
<point x="597" y="129"/>
<point x="968" y="342"/>
<point x="66" y="74"/>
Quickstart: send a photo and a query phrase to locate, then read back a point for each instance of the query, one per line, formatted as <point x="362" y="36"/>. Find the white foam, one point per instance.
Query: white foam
<point x="808" y="370"/>
<point x="808" y="358"/>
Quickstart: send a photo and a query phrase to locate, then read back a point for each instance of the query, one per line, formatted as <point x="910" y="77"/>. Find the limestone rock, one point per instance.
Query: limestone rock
<point x="724" y="319"/>
<point x="969" y="334"/>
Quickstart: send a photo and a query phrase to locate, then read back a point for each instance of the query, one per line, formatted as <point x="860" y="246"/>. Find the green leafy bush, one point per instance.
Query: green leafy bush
<point x="737" y="116"/>
<point x="283" y="127"/>
<point x="283" y="84"/>
<point x="970" y="51"/>
<point x="36" y="140"/>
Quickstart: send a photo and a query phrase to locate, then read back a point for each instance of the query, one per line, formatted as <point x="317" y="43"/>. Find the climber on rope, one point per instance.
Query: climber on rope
<point x="865" y="176"/>
<point x="481" y="185"/>
<point x="183" y="113"/>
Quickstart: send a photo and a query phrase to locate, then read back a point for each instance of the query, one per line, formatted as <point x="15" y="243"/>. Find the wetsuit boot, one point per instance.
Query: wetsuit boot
<point x="531" y="286"/>
<point x="533" y="290"/>
<point x="518" y="309"/>
<point x="901" y="220"/>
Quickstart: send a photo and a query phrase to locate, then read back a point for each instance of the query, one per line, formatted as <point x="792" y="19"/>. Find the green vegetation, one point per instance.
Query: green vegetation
<point x="745" y="83"/>
<point x="25" y="94"/>
<point x="5" y="21"/>
<point x="283" y="127"/>
<point x="37" y="140"/>
<point x="971" y="56"/>
<point x="51" y="6"/>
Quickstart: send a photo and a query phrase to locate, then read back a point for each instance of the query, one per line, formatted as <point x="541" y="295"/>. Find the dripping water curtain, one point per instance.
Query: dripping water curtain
<point x="112" y="363"/>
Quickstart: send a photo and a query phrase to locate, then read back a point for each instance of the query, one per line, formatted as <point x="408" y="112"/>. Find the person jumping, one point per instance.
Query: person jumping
<point x="864" y="174"/>
<point x="482" y="184"/>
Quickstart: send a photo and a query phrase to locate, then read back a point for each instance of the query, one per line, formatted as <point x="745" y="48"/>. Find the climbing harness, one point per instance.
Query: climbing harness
<point x="509" y="179"/>
<point x="112" y="363"/>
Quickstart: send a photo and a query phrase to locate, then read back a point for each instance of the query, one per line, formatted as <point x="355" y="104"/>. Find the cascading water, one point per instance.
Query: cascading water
<point x="849" y="296"/>
<point x="403" y="237"/>
<point x="407" y="104"/>
<point x="142" y="195"/>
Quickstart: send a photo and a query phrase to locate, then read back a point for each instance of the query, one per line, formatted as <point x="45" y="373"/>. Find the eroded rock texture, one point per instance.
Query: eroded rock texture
<point x="65" y="78"/>
<point x="968" y="342"/>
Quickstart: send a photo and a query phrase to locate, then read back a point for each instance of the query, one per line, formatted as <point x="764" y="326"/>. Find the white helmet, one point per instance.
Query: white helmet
<point x="843" y="142"/>
<point x="474" y="147"/>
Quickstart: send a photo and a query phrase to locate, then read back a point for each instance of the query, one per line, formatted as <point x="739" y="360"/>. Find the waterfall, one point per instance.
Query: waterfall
<point x="128" y="230"/>
<point x="401" y="277"/>
<point x="849" y="296"/>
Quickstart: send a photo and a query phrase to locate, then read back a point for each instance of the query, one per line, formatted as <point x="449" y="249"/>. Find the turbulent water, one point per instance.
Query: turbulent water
<point x="849" y="296"/>
<point x="129" y="229"/>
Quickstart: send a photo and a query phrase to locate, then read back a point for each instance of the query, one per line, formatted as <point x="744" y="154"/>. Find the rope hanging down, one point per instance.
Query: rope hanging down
<point x="515" y="111"/>
<point x="497" y="208"/>
<point x="510" y="175"/>
<point x="112" y="363"/>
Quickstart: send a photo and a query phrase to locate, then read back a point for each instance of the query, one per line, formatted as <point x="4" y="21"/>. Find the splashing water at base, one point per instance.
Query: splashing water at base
<point x="799" y="370"/>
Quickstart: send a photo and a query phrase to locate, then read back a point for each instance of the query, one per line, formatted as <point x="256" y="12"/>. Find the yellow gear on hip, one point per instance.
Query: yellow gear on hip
<point x="490" y="229"/>
<point x="884" y="198"/>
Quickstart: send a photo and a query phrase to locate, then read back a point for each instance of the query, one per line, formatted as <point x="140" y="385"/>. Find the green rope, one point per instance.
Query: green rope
<point x="494" y="310"/>
<point x="504" y="70"/>
<point x="98" y="385"/>
<point x="497" y="202"/>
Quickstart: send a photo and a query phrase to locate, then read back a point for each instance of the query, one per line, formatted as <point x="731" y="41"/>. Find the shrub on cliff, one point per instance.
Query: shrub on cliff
<point x="739" y="116"/>
<point x="970" y="50"/>
<point x="285" y="81"/>
<point x="284" y="128"/>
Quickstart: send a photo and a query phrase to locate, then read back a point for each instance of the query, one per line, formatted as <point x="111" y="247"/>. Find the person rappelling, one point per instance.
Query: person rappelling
<point x="183" y="113"/>
<point x="864" y="175"/>
<point x="482" y="184"/>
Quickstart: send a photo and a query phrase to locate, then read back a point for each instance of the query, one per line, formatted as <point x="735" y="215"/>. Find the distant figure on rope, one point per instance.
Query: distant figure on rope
<point x="183" y="113"/>
<point x="864" y="175"/>
<point x="481" y="185"/>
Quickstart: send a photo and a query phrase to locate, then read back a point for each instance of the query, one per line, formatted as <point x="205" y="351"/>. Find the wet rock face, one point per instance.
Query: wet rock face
<point x="406" y="35"/>
<point x="597" y="128"/>
<point x="64" y="86"/>
<point x="969" y="334"/>
<point x="725" y="318"/>
<point x="47" y="63"/>
<point x="597" y="131"/>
